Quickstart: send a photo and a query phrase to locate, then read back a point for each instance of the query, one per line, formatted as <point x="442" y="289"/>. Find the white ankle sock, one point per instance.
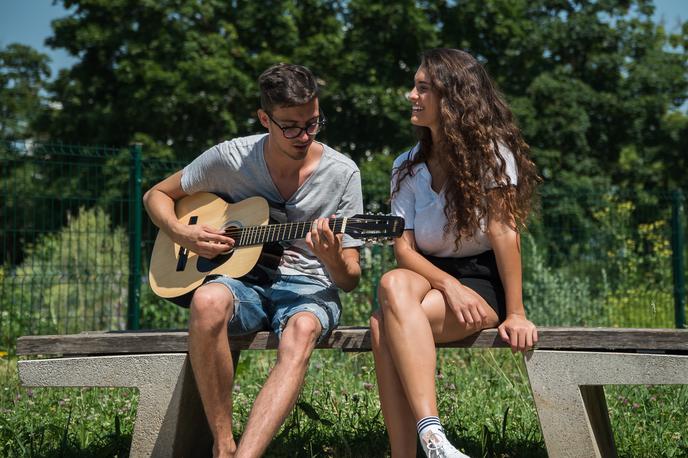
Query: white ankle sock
<point x="429" y="424"/>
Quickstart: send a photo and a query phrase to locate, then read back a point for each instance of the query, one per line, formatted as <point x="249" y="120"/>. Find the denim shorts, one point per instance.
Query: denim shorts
<point x="268" y="307"/>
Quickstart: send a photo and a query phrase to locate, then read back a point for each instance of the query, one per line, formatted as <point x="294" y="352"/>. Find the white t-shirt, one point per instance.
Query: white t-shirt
<point x="423" y="209"/>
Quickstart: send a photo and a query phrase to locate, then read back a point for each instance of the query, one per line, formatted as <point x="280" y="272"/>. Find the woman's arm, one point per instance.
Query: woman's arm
<point x="516" y="330"/>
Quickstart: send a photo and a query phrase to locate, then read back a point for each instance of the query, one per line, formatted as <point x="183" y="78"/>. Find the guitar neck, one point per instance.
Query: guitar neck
<point x="256" y="235"/>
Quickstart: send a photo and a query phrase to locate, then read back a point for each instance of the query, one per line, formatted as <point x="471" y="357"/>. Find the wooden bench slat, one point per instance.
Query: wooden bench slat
<point x="351" y="338"/>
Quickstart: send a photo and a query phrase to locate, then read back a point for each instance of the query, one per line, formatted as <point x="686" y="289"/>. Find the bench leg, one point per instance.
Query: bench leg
<point x="596" y="409"/>
<point x="169" y="419"/>
<point x="569" y="395"/>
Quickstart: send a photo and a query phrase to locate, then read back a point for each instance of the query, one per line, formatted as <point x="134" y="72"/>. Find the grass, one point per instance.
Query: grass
<point x="65" y="422"/>
<point x="484" y="401"/>
<point x="649" y="420"/>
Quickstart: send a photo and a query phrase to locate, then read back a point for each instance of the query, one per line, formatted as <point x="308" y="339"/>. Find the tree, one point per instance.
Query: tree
<point x="180" y="72"/>
<point x="23" y="74"/>
<point x="595" y="85"/>
<point x="382" y="43"/>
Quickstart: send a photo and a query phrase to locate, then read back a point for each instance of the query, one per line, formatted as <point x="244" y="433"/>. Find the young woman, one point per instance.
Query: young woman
<point x="464" y="191"/>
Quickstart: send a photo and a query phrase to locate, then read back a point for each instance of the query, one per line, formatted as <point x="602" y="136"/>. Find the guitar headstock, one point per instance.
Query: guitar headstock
<point x="372" y="227"/>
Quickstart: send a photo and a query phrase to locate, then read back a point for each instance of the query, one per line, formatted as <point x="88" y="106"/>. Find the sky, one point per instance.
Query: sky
<point x="28" y="22"/>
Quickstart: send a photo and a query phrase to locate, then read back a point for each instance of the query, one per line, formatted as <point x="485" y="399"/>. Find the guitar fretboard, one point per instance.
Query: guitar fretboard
<point x="256" y="235"/>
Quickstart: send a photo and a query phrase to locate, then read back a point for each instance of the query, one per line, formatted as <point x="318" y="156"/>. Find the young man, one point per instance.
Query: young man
<point x="302" y="180"/>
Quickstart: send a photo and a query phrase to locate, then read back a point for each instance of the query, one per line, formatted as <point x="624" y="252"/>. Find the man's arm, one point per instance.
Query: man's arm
<point x="346" y="272"/>
<point x="343" y="264"/>
<point x="159" y="203"/>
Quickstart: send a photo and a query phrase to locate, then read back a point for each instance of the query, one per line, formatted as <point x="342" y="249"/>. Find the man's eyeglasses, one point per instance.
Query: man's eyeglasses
<point x="311" y="128"/>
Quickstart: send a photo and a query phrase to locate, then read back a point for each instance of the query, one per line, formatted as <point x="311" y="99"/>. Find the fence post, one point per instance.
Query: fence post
<point x="135" y="210"/>
<point x="677" y="249"/>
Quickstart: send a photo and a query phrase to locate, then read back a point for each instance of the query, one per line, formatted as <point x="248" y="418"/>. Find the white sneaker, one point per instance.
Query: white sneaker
<point x="436" y="445"/>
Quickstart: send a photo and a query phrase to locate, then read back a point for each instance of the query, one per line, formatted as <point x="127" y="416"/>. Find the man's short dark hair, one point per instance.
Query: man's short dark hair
<point x="286" y="85"/>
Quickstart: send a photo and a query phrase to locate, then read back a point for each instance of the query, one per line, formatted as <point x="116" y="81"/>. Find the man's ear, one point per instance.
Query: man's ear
<point x="263" y="118"/>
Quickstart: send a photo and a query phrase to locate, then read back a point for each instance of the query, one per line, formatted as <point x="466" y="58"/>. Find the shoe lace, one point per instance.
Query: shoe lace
<point x="435" y="447"/>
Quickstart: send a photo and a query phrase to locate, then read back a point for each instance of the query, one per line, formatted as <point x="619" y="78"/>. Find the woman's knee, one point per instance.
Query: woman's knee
<point x="396" y="288"/>
<point x="390" y="282"/>
<point x="212" y="306"/>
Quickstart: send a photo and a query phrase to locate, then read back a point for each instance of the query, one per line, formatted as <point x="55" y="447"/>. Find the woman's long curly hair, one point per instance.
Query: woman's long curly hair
<point x="474" y="121"/>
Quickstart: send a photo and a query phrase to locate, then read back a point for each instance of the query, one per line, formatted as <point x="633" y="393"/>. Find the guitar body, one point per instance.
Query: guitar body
<point x="171" y="277"/>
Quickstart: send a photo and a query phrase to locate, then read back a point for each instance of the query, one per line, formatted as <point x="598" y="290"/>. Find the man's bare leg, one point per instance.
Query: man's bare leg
<point x="281" y="389"/>
<point x="211" y="360"/>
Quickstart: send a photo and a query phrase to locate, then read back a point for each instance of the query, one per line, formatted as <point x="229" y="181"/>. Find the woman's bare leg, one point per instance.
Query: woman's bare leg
<point x="443" y="322"/>
<point x="399" y="420"/>
<point x="414" y="318"/>
<point x="409" y="338"/>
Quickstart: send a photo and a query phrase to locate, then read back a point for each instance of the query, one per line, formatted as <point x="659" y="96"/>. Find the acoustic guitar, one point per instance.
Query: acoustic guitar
<point x="176" y="272"/>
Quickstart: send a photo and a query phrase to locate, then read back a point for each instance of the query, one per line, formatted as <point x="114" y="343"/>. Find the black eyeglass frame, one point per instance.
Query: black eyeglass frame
<point x="320" y="123"/>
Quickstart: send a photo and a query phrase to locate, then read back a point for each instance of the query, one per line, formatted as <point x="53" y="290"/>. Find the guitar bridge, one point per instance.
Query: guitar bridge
<point x="183" y="254"/>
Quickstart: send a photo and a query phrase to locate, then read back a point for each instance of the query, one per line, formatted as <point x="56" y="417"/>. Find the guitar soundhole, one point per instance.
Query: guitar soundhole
<point x="206" y="265"/>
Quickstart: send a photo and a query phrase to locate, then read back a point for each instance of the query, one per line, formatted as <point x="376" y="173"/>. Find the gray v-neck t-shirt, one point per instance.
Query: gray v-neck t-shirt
<point x="236" y="170"/>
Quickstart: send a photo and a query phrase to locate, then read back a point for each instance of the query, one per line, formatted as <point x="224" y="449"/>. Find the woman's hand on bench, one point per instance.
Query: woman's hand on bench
<point x="519" y="332"/>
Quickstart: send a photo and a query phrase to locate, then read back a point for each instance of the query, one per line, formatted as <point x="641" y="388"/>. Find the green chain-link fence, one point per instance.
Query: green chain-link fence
<point x="76" y="244"/>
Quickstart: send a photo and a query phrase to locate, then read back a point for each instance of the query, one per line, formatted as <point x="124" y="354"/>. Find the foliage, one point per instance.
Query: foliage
<point x="620" y="274"/>
<point x="158" y="313"/>
<point x="375" y="173"/>
<point x="41" y="183"/>
<point x="71" y="280"/>
<point x="637" y="274"/>
<point x="557" y="296"/>
<point x="23" y="74"/>
<point x="587" y="79"/>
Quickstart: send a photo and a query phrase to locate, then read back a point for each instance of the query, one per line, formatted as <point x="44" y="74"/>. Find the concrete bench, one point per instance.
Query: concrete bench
<point x="567" y="372"/>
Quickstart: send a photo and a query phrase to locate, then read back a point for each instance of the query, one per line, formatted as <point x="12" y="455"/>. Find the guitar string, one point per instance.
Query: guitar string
<point x="336" y="221"/>
<point x="274" y="229"/>
<point x="281" y="226"/>
<point x="255" y="234"/>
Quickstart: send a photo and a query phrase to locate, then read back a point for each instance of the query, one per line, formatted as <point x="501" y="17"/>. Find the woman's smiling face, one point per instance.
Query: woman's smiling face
<point x="425" y="107"/>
